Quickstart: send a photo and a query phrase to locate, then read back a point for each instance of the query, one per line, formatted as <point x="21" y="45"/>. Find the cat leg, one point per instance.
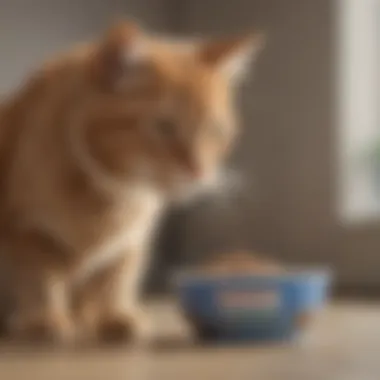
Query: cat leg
<point x="109" y="302"/>
<point x="39" y="290"/>
<point x="89" y="297"/>
<point x="41" y="312"/>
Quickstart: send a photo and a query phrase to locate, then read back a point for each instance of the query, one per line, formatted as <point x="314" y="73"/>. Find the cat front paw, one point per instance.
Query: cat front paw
<point x="132" y="326"/>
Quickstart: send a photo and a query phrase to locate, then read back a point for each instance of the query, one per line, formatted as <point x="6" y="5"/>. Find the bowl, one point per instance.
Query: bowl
<point x="252" y="307"/>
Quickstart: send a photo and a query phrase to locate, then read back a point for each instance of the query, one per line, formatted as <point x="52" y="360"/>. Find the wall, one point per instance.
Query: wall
<point x="288" y="147"/>
<point x="32" y="30"/>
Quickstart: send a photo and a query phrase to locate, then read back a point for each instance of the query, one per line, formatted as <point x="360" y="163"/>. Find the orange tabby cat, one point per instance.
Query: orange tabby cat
<point x="92" y="150"/>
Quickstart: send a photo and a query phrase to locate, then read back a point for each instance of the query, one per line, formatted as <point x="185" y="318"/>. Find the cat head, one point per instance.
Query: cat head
<point x="161" y="110"/>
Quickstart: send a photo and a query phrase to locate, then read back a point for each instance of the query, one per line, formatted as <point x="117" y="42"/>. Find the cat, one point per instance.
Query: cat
<point x="94" y="147"/>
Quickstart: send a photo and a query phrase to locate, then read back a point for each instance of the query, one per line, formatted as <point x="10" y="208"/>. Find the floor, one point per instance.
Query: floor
<point x="343" y="345"/>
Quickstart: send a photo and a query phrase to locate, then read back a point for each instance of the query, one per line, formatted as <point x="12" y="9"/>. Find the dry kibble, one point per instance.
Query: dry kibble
<point x="241" y="262"/>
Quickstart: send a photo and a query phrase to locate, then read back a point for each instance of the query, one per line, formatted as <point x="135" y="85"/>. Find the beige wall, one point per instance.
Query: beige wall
<point x="288" y="146"/>
<point x="32" y="30"/>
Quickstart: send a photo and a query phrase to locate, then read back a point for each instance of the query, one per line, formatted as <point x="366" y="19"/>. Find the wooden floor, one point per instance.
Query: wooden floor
<point x="343" y="345"/>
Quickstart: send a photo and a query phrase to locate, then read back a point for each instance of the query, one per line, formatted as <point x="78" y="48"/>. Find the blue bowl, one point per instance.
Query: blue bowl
<point x="252" y="307"/>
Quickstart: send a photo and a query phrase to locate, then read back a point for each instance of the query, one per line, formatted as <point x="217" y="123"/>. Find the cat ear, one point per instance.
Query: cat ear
<point x="122" y="56"/>
<point x="234" y="56"/>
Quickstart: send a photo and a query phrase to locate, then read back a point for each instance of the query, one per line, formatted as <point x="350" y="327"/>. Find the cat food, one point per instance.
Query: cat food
<point x="242" y="262"/>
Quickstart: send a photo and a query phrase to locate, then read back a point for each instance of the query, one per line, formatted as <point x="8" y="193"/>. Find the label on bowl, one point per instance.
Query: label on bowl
<point x="257" y="300"/>
<point x="259" y="309"/>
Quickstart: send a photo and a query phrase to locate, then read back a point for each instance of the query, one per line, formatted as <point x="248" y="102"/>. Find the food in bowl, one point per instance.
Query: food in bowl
<point x="241" y="297"/>
<point x="241" y="262"/>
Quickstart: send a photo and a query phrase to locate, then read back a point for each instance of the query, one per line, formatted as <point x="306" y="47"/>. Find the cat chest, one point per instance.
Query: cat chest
<point x="129" y="233"/>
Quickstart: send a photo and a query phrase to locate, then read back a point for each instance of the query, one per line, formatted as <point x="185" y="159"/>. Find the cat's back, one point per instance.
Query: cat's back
<point x="30" y="127"/>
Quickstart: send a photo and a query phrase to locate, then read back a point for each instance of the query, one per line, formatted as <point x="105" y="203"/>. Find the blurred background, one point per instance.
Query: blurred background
<point x="308" y="155"/>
